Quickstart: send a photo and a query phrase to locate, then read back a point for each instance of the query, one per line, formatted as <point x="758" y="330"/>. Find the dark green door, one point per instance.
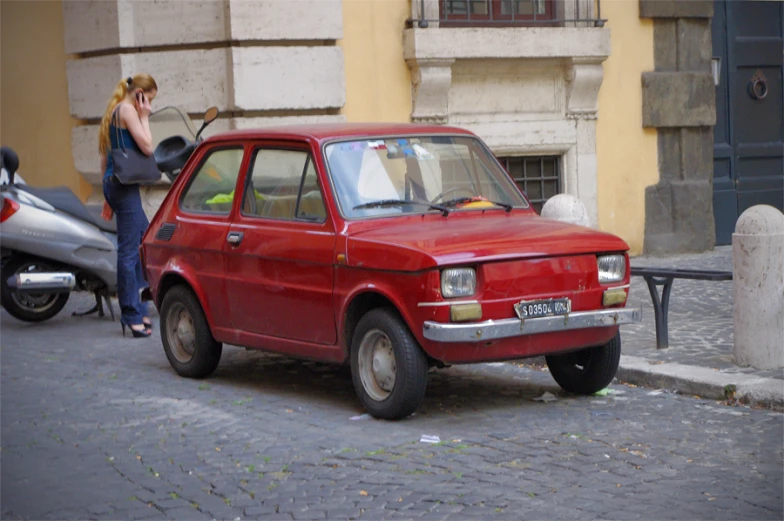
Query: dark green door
<point x="748" y="151"/>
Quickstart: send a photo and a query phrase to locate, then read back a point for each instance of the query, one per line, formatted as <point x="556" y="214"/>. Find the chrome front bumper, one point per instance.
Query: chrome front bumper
<point x="511" y="327"/>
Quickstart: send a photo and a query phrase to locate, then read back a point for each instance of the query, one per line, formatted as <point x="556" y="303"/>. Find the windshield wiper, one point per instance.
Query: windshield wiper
<point x="400" y="202"/>
<point x="460" y="200"/>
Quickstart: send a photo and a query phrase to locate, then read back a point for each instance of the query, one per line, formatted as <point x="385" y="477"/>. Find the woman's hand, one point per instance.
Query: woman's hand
<point x="107" y="212"/>
<point x="143" y="106"/>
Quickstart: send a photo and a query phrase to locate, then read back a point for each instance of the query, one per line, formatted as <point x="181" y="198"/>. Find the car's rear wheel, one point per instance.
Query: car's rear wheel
<point x="388" y="367"/>
<point x="187" y="340"/>
<point x="588" y="370"/>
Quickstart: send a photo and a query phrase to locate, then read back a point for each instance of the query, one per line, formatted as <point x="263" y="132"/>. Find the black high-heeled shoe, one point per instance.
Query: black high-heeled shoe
<point x="147" y="326"/>
<point x="135" y="332"/>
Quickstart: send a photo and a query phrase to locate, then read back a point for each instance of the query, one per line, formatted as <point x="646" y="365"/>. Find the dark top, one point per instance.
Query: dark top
<point x="127" y="140"/>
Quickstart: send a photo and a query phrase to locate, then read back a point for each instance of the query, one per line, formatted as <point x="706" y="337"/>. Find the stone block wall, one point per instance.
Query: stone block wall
<point x="679" y="101"/>
<point x="261" y="62"/>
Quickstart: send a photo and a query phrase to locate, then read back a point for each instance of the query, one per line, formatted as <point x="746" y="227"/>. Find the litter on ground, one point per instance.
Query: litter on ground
<point x="546" y="397"/>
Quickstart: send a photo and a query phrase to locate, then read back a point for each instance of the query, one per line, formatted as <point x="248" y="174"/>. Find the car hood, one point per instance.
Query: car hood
<point x="422" y="242"/>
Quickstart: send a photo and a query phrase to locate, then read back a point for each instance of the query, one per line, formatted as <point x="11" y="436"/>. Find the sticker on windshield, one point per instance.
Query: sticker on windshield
<point x="408" y="152"/>
<point x="377" y="145"/>
<point x="421" y="153"/>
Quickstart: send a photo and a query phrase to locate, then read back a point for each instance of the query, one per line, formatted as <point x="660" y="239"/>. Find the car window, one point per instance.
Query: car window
<point x="283" y="185"/>
<point x="212" y="187"/>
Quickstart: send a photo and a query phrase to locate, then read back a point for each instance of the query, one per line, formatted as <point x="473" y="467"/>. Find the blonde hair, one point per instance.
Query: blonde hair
<point x="140" y="81"/>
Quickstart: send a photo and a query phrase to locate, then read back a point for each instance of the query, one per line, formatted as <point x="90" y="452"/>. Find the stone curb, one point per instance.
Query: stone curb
<point x="703" y="382"/>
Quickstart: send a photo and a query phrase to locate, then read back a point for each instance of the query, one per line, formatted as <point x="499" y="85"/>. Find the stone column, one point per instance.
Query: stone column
<point x="758" y="288"/>
<point x="679" y="101"/>
<point x="583" y="80"/>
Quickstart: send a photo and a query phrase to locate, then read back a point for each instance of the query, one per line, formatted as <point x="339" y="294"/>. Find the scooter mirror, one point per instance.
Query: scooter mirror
<point x="209" y="117"/>
<point x="10" y="161"/>
<point x="211" y="114"/>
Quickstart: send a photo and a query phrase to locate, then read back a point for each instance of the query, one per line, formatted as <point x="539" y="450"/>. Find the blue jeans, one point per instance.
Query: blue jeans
<point x="126" y="202"/>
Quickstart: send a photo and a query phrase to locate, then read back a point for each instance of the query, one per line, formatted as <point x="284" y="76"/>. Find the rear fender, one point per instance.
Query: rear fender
<point x="176" y="271"/>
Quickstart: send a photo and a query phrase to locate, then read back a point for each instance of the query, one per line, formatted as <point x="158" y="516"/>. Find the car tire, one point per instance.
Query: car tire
<point x="388" y="367"/>
<point x="588" y="370"/>
<point x="187" y="339"/>
<point x="35" y="307"/>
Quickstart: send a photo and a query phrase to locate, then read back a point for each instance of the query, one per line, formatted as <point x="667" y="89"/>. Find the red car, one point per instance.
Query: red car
<point x="393" y="247"/>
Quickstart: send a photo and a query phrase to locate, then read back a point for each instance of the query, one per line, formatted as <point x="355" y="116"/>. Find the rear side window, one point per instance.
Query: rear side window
<point x="212" y="187"/>
<point x="283" y="185"/>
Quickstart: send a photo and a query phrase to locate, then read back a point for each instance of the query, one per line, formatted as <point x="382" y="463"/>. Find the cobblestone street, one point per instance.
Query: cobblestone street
<point x="96" y="426"/>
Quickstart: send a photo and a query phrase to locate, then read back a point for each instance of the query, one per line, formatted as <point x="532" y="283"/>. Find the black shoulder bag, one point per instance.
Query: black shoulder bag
<point x="132" y="167"/>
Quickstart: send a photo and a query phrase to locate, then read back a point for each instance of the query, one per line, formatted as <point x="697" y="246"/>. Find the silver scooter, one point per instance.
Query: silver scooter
<point x="51" y="244"/>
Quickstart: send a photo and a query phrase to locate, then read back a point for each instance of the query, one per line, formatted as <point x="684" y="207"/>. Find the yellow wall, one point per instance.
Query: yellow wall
<point x="626" y="153"/>
<point x="34" y="114"/>
<point x="378" y="81"/>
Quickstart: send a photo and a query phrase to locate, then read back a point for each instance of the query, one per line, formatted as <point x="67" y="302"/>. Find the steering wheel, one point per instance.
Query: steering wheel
<point x="451" y="190"/>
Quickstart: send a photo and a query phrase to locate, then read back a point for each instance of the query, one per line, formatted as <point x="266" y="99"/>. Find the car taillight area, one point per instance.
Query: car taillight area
<point x="10" y="207"/>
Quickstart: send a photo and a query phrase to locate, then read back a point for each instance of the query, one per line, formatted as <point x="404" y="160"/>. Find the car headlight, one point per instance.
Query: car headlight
<point x="612" y="268"/>
<point x="458" y="282"/>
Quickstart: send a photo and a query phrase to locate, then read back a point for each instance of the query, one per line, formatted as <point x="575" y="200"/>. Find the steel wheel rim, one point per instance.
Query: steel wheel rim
<point x="377" y="365"/>
<point x="34" y="302"/>
<point x="181" y="333"/>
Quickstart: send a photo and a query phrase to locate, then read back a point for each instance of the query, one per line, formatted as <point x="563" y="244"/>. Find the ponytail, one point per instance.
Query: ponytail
<point x="120" y="91"/>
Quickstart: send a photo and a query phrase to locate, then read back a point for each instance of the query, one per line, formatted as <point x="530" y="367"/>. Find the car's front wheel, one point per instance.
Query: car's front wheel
<point x="187" y="340"/>
<point x="388" y="367"/>
<point x="588" y="370"/>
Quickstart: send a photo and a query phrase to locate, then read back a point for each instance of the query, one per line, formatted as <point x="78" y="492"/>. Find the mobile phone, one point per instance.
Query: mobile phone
<point x="140" y="97"/>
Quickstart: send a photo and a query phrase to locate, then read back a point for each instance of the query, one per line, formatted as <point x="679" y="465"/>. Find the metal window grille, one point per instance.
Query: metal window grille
<point x="539" y="177"/>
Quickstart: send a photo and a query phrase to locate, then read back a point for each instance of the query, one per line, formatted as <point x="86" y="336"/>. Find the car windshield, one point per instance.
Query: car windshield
<point x="391" y="176"/>
<point x="170" y="121"/>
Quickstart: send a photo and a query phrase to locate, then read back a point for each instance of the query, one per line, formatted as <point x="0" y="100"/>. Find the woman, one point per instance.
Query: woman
<point x="126" y="119"/>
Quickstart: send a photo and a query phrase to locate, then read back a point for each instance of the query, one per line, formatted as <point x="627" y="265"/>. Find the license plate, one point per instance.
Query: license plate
<point x="543" y="308"/>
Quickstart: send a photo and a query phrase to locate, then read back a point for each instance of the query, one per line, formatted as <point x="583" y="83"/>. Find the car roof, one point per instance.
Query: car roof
<point x="328" y="131"/>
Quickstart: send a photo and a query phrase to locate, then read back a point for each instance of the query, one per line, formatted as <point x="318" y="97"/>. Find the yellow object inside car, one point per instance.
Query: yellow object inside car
<point x="282" y="206"/>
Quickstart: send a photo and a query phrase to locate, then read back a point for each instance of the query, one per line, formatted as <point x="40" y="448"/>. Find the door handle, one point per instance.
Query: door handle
<point x="234" y="238"/>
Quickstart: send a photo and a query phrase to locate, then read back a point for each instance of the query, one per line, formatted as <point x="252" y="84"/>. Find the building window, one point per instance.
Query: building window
<point x="496" y="12"/>
<point x="539" y="177"/>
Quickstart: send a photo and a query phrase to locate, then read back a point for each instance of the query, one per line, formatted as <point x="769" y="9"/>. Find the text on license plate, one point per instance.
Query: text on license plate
<point x="543" y="308"/>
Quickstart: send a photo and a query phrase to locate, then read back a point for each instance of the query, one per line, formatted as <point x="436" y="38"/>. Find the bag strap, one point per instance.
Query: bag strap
<point x="116" y="115"/>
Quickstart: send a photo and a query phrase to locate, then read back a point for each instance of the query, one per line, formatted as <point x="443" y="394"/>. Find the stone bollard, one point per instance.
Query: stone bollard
<point x="567" y="208"/>
<point x="758" y="288"/>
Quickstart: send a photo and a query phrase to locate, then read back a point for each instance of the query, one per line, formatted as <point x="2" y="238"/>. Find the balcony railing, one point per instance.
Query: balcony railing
<point x="507" y="13"/>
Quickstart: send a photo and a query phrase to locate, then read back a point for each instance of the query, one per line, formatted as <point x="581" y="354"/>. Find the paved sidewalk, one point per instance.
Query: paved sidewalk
<point x="699" y="359"/>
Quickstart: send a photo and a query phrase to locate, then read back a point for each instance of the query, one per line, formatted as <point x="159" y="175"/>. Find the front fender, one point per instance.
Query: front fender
<point x="372" y="288"/>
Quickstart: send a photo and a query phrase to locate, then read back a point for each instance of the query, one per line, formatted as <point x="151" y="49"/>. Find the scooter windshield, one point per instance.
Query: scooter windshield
<point x="171" y="121"/>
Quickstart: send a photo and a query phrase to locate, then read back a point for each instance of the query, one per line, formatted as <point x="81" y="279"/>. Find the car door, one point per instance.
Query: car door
<point x="203" y="223"/>
<point x="279" y="262"/>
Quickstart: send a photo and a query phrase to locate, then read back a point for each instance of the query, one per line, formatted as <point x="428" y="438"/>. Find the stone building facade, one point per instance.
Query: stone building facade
<point x="204" y="53"/>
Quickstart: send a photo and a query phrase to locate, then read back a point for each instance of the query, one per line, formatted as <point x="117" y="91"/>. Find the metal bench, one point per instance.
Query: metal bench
<point x="665" y="277"/>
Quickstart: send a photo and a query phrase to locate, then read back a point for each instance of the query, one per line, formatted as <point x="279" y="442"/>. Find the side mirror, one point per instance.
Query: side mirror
<point x="209" y="116"/>
<point x="10" y="161"/>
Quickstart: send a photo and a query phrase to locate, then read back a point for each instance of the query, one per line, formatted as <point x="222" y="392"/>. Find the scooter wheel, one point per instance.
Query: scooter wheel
<point x="29" y="307"/>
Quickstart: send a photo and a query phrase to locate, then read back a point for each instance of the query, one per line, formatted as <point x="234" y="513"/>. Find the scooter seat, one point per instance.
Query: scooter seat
<point x="62" y="198"/>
